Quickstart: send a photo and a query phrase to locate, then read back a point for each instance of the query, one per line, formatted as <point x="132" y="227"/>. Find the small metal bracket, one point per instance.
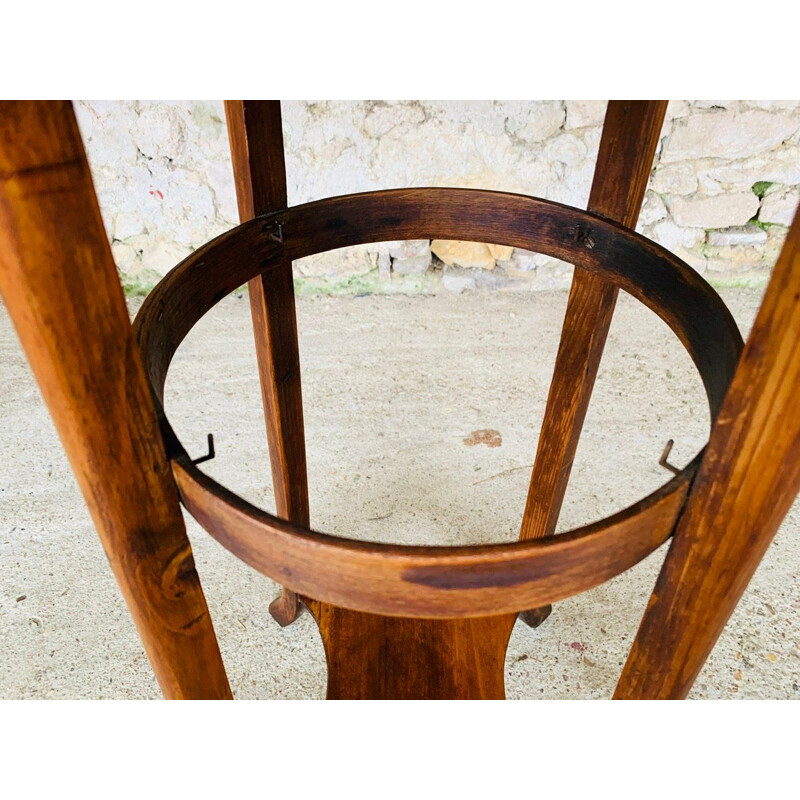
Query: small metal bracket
<point x="584" y="236"/>
<point x="275" y="230"/>
<point x="665" y="455"/>
<point x="211" y="452"/>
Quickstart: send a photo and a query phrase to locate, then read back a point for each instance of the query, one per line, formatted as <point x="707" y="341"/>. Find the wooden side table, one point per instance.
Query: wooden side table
<point x="396" y="622"/>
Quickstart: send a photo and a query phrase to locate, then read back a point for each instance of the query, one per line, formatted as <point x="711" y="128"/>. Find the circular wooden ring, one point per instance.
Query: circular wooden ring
<point x="436" y="581"/>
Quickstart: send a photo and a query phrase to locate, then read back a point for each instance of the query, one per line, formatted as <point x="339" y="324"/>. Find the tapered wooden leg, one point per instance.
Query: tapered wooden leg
<point x="748" y="479"/>
<point x="256" y="139"/>
<point x="60" y="285"/>
<point x="275" y="327"/>
<point x="625" y="158"/>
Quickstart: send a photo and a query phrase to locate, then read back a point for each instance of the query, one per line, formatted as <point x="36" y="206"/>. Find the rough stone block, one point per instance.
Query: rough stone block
<point x="697" y="261"/>
<point x="779" y="207"/>
<point x="469" y="254"/>
<point x="523" y="261"/>
<point x="128" y="224"/>
<point x="409" y="248"/>
<point x="781" y="165"/>
<point x="124" y="255"/>
<point x="567" y="149"/>
<point x="412" y="266"/>
<point x="336" y="263"/>
<point x="542" y="120"/>
<point x="674" y="179"/>
<point x="735" y="260"/>
<point x="677" y="109"/>
<point x="720" y="211"/>
<point x="745" y="235"/>
<point x="382" y="117"/>
<point x="500" y="252"/>
<point x="458" y="283"/>
<point x="160" y="130"/>
<point x="653" y="209"/>
<point x="162" y="256"/>
<point x="673" y="237"/>
<point x="727" y="135"/>
<point x="583" y="113"/>
<point x="773" y="105"/>
<point x="165" y="185"/>
<point x="384" y="265"/>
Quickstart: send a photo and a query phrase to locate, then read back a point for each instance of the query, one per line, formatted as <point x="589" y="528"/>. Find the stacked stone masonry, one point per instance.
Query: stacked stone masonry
<point x="725" y="183"/>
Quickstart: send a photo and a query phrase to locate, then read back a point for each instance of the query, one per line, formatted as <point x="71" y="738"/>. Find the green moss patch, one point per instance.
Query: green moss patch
<point x="760" y="188"/>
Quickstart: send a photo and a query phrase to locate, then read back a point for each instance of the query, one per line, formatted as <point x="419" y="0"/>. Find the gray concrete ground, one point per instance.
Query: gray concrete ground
<point x="393" y="386"/>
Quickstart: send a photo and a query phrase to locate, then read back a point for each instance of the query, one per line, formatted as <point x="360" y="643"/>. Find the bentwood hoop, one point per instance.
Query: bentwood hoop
<point x="437" y="581"/>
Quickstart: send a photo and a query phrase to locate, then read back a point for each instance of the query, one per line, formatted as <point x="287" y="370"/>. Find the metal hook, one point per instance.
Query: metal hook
<point x="584" y="236"/>
<point x="211" y="452"/>
<point x="275" y="230"/>
<point x="665" y="455"/>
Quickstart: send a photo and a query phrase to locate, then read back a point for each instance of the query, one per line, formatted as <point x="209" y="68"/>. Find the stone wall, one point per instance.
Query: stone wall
<point x="724" y="188"/>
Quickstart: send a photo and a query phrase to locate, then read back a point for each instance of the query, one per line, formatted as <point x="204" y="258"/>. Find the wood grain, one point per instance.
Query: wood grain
<point x="396" y="622"/>
<point x="256" y="139"/>
<point x="433" y="582"/>
<point x="430" y="582"/>
<point x="748" y="479"/>
<point x="60" y="285"/>
<point x="393" y="658"/>
<point x="624" y="161"/>
<point x="648" y="272"/>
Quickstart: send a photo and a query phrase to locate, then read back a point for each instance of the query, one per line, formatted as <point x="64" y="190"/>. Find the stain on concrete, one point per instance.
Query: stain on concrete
<point x="487" y="436"/>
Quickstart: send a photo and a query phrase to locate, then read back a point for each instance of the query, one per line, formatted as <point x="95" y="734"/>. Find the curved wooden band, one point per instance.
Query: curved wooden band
<point x="437" y="581"/>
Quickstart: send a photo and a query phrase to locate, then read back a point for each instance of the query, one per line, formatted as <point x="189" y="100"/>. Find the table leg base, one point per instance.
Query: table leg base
<point x="372" y="657"/>
<point x="534" y="617"/>
<point x="286" y="608"/>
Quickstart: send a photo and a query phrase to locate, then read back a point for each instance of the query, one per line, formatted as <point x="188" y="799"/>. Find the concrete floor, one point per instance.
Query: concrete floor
<point x="393" y="386"/>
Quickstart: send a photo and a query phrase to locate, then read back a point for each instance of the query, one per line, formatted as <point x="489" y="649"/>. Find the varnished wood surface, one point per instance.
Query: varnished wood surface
<point x="60" y="285"/>
<point x="746" y="484"/>
<point x="255" y="132"/>
<point x="430" y="581"/>
<point x="394" y="658"/>
<point x="624" y="162"/>
<point x="449" y="581"/>
<point x="647" y="271"/>
<point x="256" y="140"/>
